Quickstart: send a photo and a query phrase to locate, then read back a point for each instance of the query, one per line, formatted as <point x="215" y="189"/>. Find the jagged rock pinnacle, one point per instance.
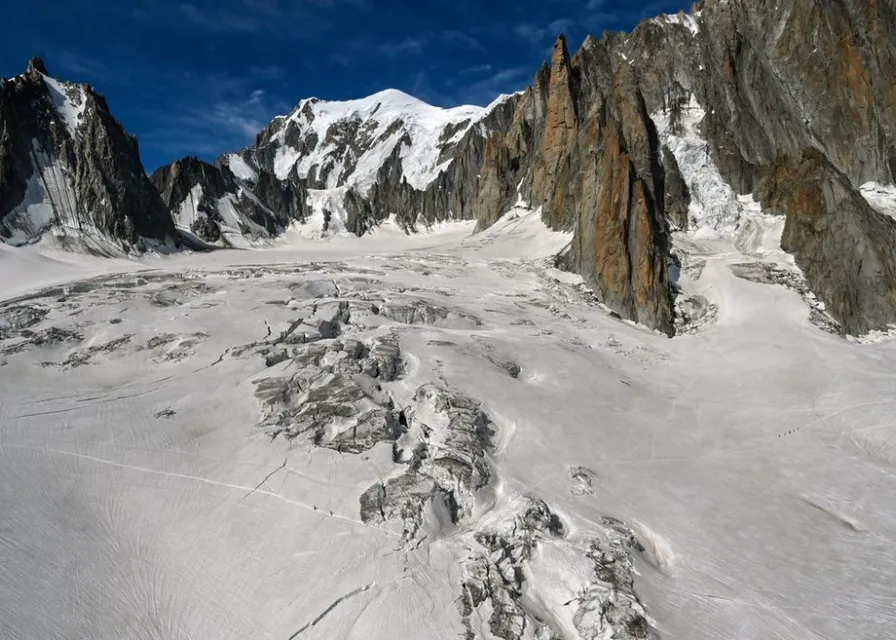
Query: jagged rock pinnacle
<point x="36" y="65"/>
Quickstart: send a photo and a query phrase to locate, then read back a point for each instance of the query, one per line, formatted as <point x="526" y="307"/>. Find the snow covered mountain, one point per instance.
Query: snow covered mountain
<point x="70" y="173"/>
<point x="338" y="144"/>
<point x="343" y="166"/>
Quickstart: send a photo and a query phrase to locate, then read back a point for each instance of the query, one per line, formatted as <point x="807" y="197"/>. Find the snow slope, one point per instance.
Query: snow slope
<point x="241" y="168"/>
<point x="143" y="496"/>
<point x="70" y="102"/>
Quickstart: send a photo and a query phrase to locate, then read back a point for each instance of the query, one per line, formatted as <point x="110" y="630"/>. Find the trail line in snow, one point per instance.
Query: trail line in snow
<point x="184" y="476"/>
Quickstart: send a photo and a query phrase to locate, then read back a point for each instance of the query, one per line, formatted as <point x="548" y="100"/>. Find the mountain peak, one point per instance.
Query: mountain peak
<point x="396" y="96"/>
<point x="36" y="65"/>
<point x="560" y="57"/>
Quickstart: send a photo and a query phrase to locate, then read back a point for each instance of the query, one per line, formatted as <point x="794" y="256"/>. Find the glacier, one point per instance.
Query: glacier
<point x="475" y="447"/>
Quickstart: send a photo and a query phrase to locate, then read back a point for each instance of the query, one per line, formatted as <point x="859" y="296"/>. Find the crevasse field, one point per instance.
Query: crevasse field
<point x="437" y="436"/>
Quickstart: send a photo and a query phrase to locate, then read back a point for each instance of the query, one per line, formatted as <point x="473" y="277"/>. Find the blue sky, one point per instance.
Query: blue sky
<point x="201" y="77"/>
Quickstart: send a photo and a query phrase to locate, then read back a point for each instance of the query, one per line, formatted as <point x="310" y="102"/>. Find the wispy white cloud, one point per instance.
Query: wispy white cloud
<point x="222" y="20"/>
<point x="81" y="68"/>
<point x="268" y="16"/>
<point x="396" y="48"/>
<point x="461" y="38"/>
<point x="197" y="114"/>
<point x="476" y="85"/>
<point x="362" y="48"/>
<point x="475" y="71"/>
<point x="228" y="123"/>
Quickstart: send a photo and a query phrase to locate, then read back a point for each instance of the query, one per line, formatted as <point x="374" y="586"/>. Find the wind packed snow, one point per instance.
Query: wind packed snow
<point x="423" y="124"/>
<point x="69" y="101"/>
<point x="237" y="230"/>
<point x="327" y="217"/>
<point x="188" y="212"/>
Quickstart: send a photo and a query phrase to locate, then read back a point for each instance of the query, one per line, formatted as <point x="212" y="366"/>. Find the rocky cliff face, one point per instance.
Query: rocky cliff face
<point x="590" y="157"/>
<point x="66" y="165"/>
<point x="844" y="246"/>
<point x="770" y="80"/>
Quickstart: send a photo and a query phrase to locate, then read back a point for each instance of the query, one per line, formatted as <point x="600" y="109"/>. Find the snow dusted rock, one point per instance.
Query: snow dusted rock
<point x="495" y="580"/>
<point x="608" y="605"/>
<point x="501" y="593"/>
<point x="445" y="456"/>
<point x="68" y="167"/>
<point x="335" y="396"/>
<point x="423" y="312"/>
<point x="693" y="313"/>
<point x="20" y="318"/>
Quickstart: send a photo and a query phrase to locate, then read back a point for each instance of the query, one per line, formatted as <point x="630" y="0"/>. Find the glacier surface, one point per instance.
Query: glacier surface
<point x="436" y="436"/>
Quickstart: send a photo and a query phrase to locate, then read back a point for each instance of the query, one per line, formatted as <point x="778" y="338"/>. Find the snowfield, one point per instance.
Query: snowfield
<point x="436" y="436"/>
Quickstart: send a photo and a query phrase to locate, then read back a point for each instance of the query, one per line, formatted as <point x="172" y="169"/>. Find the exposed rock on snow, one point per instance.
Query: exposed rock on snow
<point x="492" y="601"/>
<point x="501" y="598"/>
<point x="693" y="313"/>
<point x="445" y="456"/>
<point x="336" y="396"/>
<point x="422" y="312"/>
<point x="608" y="605"/>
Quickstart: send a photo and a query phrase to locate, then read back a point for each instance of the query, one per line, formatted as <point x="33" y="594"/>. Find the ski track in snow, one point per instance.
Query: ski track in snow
<point x="141" y="496"/>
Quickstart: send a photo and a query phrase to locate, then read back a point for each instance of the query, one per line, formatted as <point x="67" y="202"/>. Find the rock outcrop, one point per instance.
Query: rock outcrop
<point x="587" y="152"/>
<point x="66" y="165"/>
<point x="844" y="247"/>
<point x="772" y="79"/>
